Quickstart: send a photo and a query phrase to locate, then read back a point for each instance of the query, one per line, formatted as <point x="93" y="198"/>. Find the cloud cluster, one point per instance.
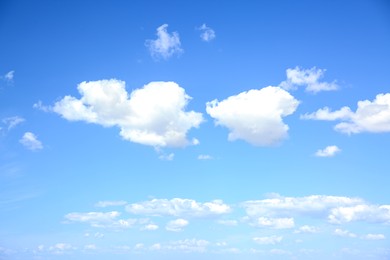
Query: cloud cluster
<point x="207" y="34"/>
<point x="370" y="116"/>
<point x="328" y="151"/>
<point x="335" y="209"/>
<point x="153" y="115"/>
<point x="166" y="44"/>
<point x="255" y="116"/>
<point x="308" y="78"/>
<point x="179" y="208"/>
<point x="31" y="142"/>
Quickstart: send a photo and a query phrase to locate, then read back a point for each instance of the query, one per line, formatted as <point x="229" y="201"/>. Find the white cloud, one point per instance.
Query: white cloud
<point x="179" y="207"/>
<point x="153" y="115"/>
<point x="306" y="229"/>
<point x="90" y="247"/>
<point x="309" y="78"/>
<point x="167" y="157"/>
<point x="276" y="223"/>
<point x="328" y="151"/>
<point x="9" y="76"/>
<point x="42" y="107"/>
<point x="205" y="157"/>
<point x="30" y="141"/>
<point x="102" y="219"/>
<point x="166" y="44"/>
<point x="150" y="227"/>
<point x="360" y="212"/>
<point x="271" y="240"/>
<point x="344" y="233"/>
<point x="370" y="116"/>
<point x="374" y="237"/>
<point x="13" y="121"/>
<point x="176" y="225"/>
<point x="255" y="116"/>
<point x="207" y="33"/>
<point x="110" y="203"/>
<point x="186" y="245"/>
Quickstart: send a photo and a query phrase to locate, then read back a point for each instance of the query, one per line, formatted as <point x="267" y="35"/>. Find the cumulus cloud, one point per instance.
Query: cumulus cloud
<point x="308" y="78"/>
<point x="370" y="116"/>
<point x="150" y="227"/>
<point x="179" y="207"/>
<point x="328" y="151"/>
<point x="110" y="203"/>
<point x="335" y="209"/>
<point x="271" y="240"/>
<point x="166" y="44"/>
<point x="153" y="115"/>
<point x="31" y="142"/>
<point x="255" y="116"/>
<point x="207" y="34"/>
<point x="13" y="121"/>
<point x="176" y="225"/>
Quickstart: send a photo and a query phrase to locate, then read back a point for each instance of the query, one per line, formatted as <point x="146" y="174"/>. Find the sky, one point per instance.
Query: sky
<point x="194" y="129"/>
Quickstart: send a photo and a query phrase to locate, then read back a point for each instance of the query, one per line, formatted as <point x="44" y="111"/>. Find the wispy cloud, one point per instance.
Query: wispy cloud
<point x="207" y="34"/>
<point x="328" y="151"/>
<point x="270" y="240"/>
<point x="370" y="116"/>
<point x="205" y="157"/>
<point x="31" y="142"/>
<point x="8" y="77"/>
<point x="308" y="78"/>
<point x="11" y="122"/>
<point x="166" y="45"/>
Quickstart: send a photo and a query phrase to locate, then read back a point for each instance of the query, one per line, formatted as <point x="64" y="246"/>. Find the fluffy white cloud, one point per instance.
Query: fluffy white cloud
<point x="328" y="151"/>
<point x="344" y="233"/>
<point x="179" y="207"/>
<point x="309" y="78"/>
<point x="370" y="116"/>
<point x="335" y="209"/>
<point x="153" y="115"/>
<point x="271" y="240"/>
<point x="176" y="225"/>
<point x="360" y="212"/>
<point x="11" y="122"/>
<point x="276" y="223"/>
<point x="207" y="34"/>
<point x="31" y="142"/>
<point x="255" y="116"/>
<point x="110" y="203"/>
<point x="166" y="44"/>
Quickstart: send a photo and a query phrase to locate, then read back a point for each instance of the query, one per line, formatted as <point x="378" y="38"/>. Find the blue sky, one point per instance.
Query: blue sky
<point x="194" y="130"/>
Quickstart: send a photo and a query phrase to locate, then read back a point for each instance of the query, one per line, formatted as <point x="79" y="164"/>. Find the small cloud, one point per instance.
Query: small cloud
<point x="205" y="157"/>
<point x="271" y="240"/>
<point x="8" y="77"/>
<point x="176" y="225"/>
<point x="167" y="157"/>
<point x="166" y="44"/>
<point x="13" y="121"/>
<point x="309" y="78"/>
<point x="150" y="227"/>
<point x="207" y="34"/>
<point x="344" y="233"/>
<point x="31" y="142"/>
<point x="228" y="222"/>
<point x="306" y="229"/>
<point x="328" y="151"/>
<point x="42" y="107"/>
<point x="374" y="237"/>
